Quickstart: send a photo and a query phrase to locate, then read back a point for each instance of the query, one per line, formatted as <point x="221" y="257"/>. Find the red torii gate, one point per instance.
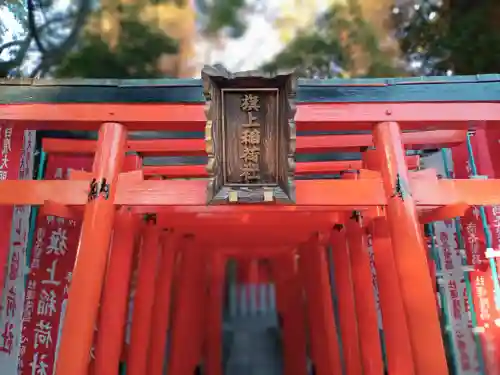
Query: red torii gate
<point x="392" y="212"/>
<point x="39" y="192"/>
<point x="293" y="231"/>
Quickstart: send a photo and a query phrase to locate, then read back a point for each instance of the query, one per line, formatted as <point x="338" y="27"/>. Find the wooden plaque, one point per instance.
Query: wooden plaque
<point x="250" y="136"/>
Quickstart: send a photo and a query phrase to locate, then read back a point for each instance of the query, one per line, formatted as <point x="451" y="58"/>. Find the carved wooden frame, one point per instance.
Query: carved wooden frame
<point x="214" y="80"/>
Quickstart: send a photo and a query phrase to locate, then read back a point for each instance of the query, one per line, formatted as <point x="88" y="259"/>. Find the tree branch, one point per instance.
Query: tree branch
<point x="14" y="43"/>
<point x="54" y="55"/>
<point x="7" y="66"/>
<point x="32" y="29"/>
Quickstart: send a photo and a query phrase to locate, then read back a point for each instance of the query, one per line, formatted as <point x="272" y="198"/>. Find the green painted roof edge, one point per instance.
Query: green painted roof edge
<point x="478" y="88"/>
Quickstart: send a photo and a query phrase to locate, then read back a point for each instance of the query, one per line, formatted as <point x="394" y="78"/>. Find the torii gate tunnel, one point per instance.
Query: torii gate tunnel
<point x="253" y="202"/>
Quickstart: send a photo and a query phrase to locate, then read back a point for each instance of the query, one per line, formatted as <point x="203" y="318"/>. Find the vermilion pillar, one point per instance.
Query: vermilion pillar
<point x="186" y="344"/>
<point x="248" y="271"/>
<point x="313" y="268"/>
<point x="143" y="301"/>
<point x="290" y="303"/>
<point x="161" y="308"/>
<point x="432" y="270"/>
<point x="114" y="299"/>
<point x="398" y="347"/>
<point x="213" y="350"/>
<point x="88" y="274"/>
<point x="410" y="254"/>
<point x="346" y="305"/>
<point x="366" y="310"/>
<point x="115" y="295"/>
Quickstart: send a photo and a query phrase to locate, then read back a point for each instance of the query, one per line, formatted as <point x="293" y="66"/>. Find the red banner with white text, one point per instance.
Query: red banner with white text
<point x="18" y="148"/>
<point x="448" y="269"/>
<point x="53" y="258"/>
<point x="492" y="143"/>
<point x="489" y="165"/>
<point x="475" y="246"/>
<point x="11" y="143"/>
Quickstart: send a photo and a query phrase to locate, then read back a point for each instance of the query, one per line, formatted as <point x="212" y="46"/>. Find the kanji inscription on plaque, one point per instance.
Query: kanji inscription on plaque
<point x="250" y="136"/>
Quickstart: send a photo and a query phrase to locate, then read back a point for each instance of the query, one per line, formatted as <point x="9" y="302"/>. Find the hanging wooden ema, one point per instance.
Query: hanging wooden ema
<point x="249" y="136"/>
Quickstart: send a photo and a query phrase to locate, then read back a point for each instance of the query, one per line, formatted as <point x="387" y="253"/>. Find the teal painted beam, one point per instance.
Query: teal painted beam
<point x="479" y="88"/>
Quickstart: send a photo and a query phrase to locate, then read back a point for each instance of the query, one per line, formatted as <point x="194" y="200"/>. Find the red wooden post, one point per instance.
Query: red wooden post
<point x="144" y="300"/>
<point x="186" y="345"/>
<point x="398" y="346"/>
<point x="213" y="327"/>
<point x="88" y="274"/>
<point x="290" y="303"/>
<point x="410" y="254"/>
<point x="161" y="309"/>
<point x="346" y="305"/>
<point x="248" y="271"/>
<point x="265" y="272"/>
<point x="366" y="310"/>
<point x="114" y="304"/>
<point x="114" y="299"/>
<point x="432" y="268"/>
<point x="323" y="336"/>
<point x="199" y="295"/>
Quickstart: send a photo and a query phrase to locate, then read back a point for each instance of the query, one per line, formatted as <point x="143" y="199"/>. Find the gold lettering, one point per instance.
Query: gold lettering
<point x="250" y="102"/>
<point x="250" y="154"/>
<point x="250" y="172"/>
<point x="251" y="123"/>
<point x="250" y="139"/>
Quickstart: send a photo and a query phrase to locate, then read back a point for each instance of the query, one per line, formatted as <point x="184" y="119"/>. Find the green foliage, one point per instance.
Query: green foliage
<point x="310" y="54"/>
<point x="136" y="54"/>
<point x="462" y="37"/>
<point x="317" y="51"/>
<point x="325" y="49"/>
<point x="221" y="15"/>
<point x="140" y="46"/>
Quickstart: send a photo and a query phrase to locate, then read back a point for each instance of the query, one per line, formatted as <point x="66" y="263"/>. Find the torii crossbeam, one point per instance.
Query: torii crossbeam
<point x="383" y="107"/>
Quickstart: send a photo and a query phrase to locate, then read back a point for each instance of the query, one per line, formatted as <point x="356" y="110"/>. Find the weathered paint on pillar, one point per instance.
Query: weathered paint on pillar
<point x="398" y="346"/>
<point x="161" y="308"/>
<point x="410" y="254"/>
<point x="215" y="298"/>
<point x="186" y="345"/>
<point x="110" y="336"/>
<point x="290" y="305"/>
<point x="366" y="309"/>
<point x="88" y="274"/>
<point x="145" y="295"/>
<point x="313" y="268"/>
<point x="346" y="305"/>
<point x="248" y="271"/>
<point x="109" y="340"/>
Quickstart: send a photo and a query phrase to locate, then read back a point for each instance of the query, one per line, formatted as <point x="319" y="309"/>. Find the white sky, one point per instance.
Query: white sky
<point x="261" y="41"/>
<point x="259" y="44"/>
<point x="10" y="23"/>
